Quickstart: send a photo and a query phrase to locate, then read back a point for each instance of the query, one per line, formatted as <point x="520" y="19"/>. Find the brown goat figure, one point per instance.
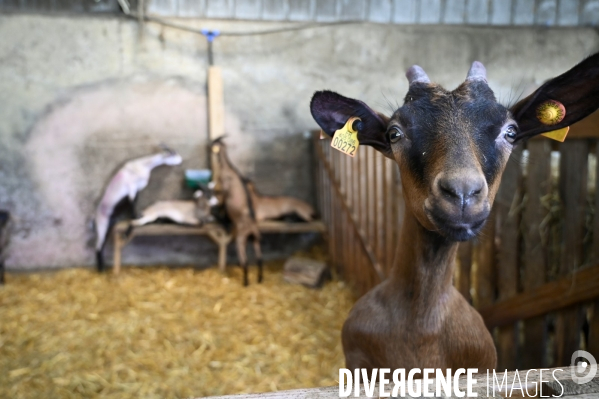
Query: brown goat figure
<point x="451" y="148"/>
<point x="234" y="194"/>
<point x="273" y="207"/>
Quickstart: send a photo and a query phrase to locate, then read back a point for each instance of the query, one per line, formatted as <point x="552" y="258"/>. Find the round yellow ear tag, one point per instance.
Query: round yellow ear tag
<point x="551" y="112"/>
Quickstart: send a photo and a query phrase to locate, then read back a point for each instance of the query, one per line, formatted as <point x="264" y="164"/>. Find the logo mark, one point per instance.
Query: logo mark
<point x="585" y="370"/>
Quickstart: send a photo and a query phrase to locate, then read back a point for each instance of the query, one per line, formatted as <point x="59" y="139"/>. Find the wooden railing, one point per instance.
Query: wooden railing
<point x="361" y="203"/>
<point x="533" y="272"/>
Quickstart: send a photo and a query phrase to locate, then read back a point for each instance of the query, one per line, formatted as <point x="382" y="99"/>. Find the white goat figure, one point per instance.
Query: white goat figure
<point x="125" y="184"/>
<point x="190" y="212"/>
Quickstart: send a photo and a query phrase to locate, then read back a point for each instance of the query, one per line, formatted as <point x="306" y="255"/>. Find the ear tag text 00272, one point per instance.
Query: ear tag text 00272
<point x="346" y="138"/>
<point x="552" y="112"/>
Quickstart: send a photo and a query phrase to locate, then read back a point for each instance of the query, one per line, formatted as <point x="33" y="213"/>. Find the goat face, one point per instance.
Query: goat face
<point x="452" y="146"/>
<point x="170" y="156"/>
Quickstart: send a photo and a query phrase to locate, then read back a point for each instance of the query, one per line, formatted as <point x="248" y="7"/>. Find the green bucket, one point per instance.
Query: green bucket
<point x="196" y="177"/>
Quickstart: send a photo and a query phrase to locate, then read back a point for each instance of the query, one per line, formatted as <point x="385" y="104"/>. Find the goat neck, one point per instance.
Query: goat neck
<point x="423" y="269"/>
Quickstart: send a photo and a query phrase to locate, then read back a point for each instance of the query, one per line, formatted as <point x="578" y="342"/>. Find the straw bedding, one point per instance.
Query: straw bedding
<point x="158" y="332"/>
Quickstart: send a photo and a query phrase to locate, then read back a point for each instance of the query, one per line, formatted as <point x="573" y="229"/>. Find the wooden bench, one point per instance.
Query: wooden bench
<point x="214" y="231"/>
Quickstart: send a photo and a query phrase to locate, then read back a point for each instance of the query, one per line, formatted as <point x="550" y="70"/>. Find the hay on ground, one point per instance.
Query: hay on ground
<point x="159" y="332"/>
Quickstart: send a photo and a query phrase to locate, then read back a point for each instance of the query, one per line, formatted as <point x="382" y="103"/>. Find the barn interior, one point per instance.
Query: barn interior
<point x="89" y="85"/>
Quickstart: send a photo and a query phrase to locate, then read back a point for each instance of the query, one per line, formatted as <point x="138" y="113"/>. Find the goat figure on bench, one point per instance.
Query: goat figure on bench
<point x="131" y="178"/>
<point x="232" y="192"/>
<point x="451" y="148"/>
<point x="188" y="212"/>
<point x="271" y="207"/>
<point x="245" y="206"/>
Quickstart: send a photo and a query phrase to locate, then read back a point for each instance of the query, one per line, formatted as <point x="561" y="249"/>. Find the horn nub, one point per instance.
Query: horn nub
<point x="416" y="74"/>
<point x="477" y="72"/>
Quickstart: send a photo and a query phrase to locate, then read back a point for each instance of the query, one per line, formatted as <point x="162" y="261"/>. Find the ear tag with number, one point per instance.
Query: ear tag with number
<point x="346" y="138"/>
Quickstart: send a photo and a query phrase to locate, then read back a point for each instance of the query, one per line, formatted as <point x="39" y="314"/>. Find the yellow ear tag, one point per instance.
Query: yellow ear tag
<point x="552" y="112"/>
<point x="346" y="138"/>
<point x="559" y="135"/>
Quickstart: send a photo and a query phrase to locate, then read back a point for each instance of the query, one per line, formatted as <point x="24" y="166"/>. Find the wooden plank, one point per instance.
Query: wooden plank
<point x="379" y="220"/>
<point x="572" y="190"/>
<point x="507" y="347"/>
<point x="538" y="184"/>
<point x="595" y="251"/>
<point x="364" y="244"/>
<point x="274" y="226"/>
<point x="507" y="224"/>
<point x="368" y="193"/>
<point x="335" y="205"/>
<point x="216" y="104"/>
<point x="581" y="286"/>
<point x="593" y="341"/>
<point x="216" y="115"/>
<point x="167" y="229"/>
<point x="393" y="228"/>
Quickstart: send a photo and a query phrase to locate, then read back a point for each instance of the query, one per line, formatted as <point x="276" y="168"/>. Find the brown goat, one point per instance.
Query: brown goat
<point x="451" y="148"/>
<point x="233" y="193"/>
<point x="273" y="207"/>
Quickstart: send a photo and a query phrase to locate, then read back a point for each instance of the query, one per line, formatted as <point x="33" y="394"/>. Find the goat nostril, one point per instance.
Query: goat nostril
<point x="475" y="192"/>
<point x="449" y="191"/>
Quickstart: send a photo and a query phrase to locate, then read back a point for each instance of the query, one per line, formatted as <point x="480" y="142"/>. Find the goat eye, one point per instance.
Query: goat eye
<point x="395" y="134"/>
<point x="510" y="133"/>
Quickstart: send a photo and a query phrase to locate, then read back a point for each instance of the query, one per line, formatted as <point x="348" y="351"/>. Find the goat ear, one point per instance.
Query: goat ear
<point x="331" y="111"/>
<point x="577" y="90"/>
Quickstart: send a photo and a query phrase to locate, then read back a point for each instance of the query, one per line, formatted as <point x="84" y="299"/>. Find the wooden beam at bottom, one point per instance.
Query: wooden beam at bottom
<point x="525" y="382"/>
<point x="583" y="285"/>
